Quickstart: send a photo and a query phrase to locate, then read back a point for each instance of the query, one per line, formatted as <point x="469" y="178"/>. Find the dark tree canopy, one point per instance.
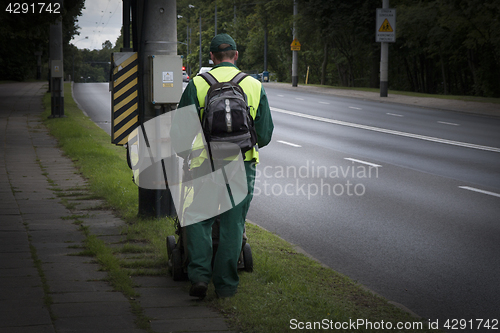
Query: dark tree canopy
<point x="445" y="46"/>
<point x="442" y="47"/>
<point x="23" y="34"/>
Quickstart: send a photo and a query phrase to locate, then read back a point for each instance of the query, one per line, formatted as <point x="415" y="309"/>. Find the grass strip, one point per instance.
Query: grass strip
<point x="284" y="286"/>
<point x="104" y="256"/>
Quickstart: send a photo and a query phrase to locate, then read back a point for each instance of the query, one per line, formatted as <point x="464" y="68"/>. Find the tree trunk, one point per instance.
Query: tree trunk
<point x="375" y="68"/>
<point x="324" y="64"/>
<point x="443" y="73"/>
<point x="472" y="67"/>
<point x="422" y="73"/>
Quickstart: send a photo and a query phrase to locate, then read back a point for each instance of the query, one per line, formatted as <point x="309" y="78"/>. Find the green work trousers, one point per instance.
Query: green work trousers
<point x="199" y="245"/>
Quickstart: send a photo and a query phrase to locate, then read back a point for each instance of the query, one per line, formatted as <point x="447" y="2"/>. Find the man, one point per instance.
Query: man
<point x="224" y="54"/>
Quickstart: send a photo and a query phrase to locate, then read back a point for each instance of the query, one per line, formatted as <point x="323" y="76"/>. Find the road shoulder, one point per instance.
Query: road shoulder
<point x="478" y="108"/>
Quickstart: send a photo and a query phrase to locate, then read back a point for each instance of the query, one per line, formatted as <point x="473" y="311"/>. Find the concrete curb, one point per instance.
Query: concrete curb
<point x="478" y="108"/>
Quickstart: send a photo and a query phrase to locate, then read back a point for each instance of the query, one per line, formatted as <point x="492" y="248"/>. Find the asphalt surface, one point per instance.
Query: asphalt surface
<point x="94" y="103"/>
<point x="414" y="234"/>
<point x="38" y="236"/>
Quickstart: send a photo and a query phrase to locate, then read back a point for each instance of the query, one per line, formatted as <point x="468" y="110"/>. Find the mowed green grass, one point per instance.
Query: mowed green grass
<point x="98" y="160"/>
<point x="286" y="290"/>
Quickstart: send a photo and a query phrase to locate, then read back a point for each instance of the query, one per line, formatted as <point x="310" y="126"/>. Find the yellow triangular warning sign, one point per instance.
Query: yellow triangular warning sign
<point x="385" y="27"/>
<point x="295" y="46"/>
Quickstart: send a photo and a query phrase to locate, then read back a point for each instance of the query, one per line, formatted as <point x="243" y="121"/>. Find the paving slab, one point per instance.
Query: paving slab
<point x="21" y="294"/>
<point x="89" y="297"/>
<point x="91" y="309"/>
<point x="38" y="315"/>
<point x="102" y="323"/>
<point x="69" y="271"/>
<point x="17" y="272"/>
<point x="191" y="325"/>
<point x="30" y="329"/>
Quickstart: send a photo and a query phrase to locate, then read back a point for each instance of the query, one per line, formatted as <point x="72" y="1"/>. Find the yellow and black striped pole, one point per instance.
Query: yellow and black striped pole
<point x="125" y="115"/>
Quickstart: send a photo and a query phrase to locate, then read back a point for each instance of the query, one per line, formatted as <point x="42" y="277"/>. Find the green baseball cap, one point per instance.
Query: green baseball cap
<point x="222" y="42"/>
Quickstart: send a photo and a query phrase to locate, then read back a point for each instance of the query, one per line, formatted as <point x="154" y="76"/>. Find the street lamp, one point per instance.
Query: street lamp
<point x="187" y="45"/>
<point x="191" y="6"/>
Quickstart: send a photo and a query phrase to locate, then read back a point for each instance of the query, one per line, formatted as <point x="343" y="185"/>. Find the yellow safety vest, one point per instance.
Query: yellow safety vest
<point x="252" y="89"/>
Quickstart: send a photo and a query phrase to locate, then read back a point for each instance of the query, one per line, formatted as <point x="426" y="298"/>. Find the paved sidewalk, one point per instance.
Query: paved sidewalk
<point x="38" y="236"/>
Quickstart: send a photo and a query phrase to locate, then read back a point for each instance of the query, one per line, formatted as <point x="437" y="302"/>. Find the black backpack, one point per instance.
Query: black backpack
<point x="226" y="116"/>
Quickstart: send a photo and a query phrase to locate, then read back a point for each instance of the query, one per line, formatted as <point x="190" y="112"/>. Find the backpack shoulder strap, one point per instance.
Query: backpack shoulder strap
<point x="238" y="77"/>
<point x="211" y="80"/>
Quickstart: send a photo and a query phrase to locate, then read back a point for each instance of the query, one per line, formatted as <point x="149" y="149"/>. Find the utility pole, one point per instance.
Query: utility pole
<point x="188" y="52"/>
<point x="157" y="41"/>
<point x="384" y="62"/>
<point x="295" y="55"/>
<point x="38" y="64"/>
<point x="200" y="43"/>
<point x="126" y="26"/>
<point x="56" y="69"/>
<point x="265" y="46"/>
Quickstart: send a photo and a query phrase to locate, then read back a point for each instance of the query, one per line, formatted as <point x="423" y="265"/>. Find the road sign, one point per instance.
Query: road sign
<point x="295" y="46"/>
<point x="386" y="25"/>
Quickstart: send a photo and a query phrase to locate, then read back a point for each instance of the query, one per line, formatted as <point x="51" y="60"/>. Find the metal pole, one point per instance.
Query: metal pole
<point x="57" y="83"/>
<point x="189" y="42"/>
<point x="384" y="62"/>
<point x="295" y="56"/>
<point x="126" y="26"/>
<point x="200" y="43"/>
<point x="265" y="46"/>
<point x="215" y="18"/>
<point x="158" y="37"/>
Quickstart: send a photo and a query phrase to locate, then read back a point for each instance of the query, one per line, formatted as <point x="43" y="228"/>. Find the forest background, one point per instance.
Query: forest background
<point x="442" y="46"/>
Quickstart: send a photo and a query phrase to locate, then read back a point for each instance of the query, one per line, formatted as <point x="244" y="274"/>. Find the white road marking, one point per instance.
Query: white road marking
<point x="480" y="191"/>
<point x="300" y="99"/>
<point x="289" y="143"/>
<point x="323" y="103"/>
<point x="355" y="108"/>
<point x="280" y="95"/>
<point x="394" y="114"/>
<point x="446" y="123"/>
<point x="363" y="162"/>
<point x="387" y="131"/>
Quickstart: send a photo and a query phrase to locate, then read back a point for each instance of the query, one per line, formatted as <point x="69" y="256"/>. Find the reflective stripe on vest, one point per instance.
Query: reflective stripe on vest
<point x="250" y="86"/>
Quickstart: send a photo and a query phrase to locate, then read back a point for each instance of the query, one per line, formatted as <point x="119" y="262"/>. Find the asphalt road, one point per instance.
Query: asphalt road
<point x="95" y="100"/>
<point x="404" y="200"/>
<point x="411" y="232"/>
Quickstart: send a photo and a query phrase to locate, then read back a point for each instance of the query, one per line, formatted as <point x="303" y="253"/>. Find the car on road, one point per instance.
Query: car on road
<point x="204" y="70"/>
<point x="185" y="77"/>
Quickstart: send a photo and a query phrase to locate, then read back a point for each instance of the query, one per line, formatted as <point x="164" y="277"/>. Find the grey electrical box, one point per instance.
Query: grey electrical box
<point x="56" y="68"/>
<point x="166" y="78"/>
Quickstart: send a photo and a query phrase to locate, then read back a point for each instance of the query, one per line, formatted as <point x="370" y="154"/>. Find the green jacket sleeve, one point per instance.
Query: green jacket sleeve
<point x="263" y="121"/>
<point x="189" y="96"/>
